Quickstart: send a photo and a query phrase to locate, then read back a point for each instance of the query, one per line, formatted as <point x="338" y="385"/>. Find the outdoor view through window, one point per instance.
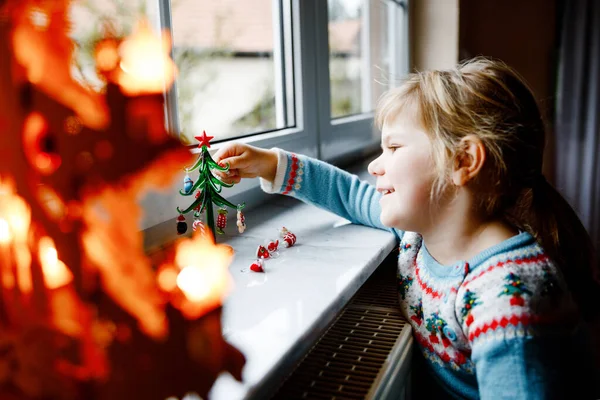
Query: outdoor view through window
<point x="235" y="58"/>
<point x="235" y="69"/>
<point x="358" y="55"/>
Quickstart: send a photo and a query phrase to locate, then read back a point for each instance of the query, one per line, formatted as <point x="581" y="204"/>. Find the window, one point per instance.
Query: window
<point x="300" y="75"/>
<point x="94" y="19"/>
<point x="235" y="67"/>
<point x="358" y="55"/>
<point x="367" y="53"/>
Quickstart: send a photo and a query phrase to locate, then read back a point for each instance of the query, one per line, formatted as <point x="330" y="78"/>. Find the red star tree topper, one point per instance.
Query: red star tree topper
<point x="204" y="140"/>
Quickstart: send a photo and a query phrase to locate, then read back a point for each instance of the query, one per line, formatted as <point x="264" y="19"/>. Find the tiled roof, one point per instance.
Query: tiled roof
<point x="237" y="25"/>
<point x="233" y="24"/>
<point x="241" y="25"/>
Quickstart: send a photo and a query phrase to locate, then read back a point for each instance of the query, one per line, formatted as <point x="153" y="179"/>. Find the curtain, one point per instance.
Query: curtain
<point x="578" y="112"/>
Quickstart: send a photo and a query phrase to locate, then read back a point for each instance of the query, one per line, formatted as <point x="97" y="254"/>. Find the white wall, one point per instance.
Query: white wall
<point x="435" y="33"/>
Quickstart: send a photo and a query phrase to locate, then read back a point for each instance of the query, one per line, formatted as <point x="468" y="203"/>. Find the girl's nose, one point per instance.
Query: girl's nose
<point x="375" y="167"/>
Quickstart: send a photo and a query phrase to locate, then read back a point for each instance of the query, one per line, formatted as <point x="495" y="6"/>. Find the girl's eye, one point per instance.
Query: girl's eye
<point x="393" y="148"/>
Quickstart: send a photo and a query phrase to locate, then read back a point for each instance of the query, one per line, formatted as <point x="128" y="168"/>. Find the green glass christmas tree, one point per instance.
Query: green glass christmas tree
<point x="207" y="189"/>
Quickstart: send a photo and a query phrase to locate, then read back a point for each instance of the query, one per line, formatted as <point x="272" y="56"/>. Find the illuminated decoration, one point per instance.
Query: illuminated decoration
<point x="146" y="66"/>
<point x="84" y="312"/>
<point x="207" y="189"/>
<point x="202" y="277"/>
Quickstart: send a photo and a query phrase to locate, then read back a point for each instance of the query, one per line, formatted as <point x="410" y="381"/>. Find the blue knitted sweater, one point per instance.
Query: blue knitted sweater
<point x="501" y="325"/>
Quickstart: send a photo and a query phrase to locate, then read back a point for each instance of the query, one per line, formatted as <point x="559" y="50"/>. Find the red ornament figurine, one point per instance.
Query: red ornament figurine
<point x="181" y="225"/>
<point x="272" y="245"/>
<point x="257" y="266"/>
<point x="221" y="221"/>
<point x="262" y="252"/>
<point x="198" y="225"/>
<point x="289" y="239"/>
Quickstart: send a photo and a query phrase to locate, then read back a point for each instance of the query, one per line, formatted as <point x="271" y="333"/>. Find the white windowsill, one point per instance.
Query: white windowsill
<point x="273" y="318"/>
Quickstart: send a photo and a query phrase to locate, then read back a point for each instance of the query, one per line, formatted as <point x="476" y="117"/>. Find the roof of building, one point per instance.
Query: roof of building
<point x="242" y="26"/>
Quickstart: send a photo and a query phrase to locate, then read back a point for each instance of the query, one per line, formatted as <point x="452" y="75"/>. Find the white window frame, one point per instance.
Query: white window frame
<point x="356" y="134"/>
<point x="314" y="133"/>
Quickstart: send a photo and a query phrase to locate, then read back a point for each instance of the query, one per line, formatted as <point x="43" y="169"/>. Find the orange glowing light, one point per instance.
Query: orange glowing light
<point x="39" y="18"/>
<point x="167" y="279"/>
<point x="5" y="235"/>
<point x="18" y="216"/>
<point x="107" y="55"/>
<point x="51" y="202"/>
<point x="146" y="66"/>
<point x="15" y="214"/>
<point x="35" y="130"/>
<point x="56" y="273"/>
<point x="8" y="280"/>
<point x="204" y="277"/>
<point x="192" y="281"/>
<point x="24" y="278"/>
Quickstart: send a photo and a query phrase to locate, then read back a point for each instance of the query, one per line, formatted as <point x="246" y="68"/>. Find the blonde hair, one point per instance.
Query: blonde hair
<point x="488" y="99"/>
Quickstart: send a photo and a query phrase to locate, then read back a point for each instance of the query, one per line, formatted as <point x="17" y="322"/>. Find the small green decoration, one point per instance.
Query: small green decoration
<point x="207" y="188"/>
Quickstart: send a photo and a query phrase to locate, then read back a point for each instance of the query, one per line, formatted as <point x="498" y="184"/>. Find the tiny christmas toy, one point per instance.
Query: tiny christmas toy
<point x="207" y="189"/>
<point x="187" y="184"/>
<point x="198" y="225"/>
<point x="262" y="252"/>
<point x="181" y="225"/>
<point x="283" y="231"/>
<point x="257" y="266"/>
<point x="289" y="239"/>
<point x="221" y="220"/>
<point x="272" y="245"/>
<point x="241" y="220"/>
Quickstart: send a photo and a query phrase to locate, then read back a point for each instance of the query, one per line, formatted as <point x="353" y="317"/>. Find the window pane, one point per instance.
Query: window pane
<point x="231" y="58"/>
<point x="359" y="59"/>
<point x="92" y="20"/>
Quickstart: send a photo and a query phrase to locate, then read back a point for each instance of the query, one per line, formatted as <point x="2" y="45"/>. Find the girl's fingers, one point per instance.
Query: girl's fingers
<point x="232" y="176"/>
<point x="232" y="150"/>
<point x="235" y="162"/>
<point x="225" y="152"/>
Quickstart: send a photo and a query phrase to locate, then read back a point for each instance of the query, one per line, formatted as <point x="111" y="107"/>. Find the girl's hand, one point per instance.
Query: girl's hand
<point x="246" y="161"/>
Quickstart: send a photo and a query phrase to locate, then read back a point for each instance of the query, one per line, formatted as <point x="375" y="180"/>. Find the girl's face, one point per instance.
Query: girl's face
<point x="405" y="174"/>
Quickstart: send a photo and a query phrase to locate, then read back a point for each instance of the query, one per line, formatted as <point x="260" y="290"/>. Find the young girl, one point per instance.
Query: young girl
<point x="495" y="271"/>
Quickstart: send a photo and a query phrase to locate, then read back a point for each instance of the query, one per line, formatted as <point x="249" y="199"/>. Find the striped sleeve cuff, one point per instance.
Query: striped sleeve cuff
<point x="277" y="185"/>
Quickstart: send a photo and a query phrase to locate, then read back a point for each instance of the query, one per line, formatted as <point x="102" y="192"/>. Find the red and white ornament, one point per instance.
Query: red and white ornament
<point x="282" y="232"/>
<point x="198" y="225"/>
<point x="262" y="252"/>
<point x="257" y="266"/>
<point x="289" y="239"/>
<point x="221" y="221"/>
<point x="241" y="220"/>
<point x="272" y="245"/>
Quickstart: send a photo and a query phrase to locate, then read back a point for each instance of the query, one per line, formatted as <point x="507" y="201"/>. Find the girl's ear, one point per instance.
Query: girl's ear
<point x="469" y="160"/>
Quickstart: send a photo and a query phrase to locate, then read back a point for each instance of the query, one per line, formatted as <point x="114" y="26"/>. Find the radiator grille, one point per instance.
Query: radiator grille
<point x="348" y="359"/>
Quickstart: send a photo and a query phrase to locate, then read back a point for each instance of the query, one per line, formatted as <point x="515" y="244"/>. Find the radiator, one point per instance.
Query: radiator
<point x="364" y="354"/>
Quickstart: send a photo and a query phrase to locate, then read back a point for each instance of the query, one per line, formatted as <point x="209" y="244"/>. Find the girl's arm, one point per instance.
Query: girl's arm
<point x="327" y="187"/>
